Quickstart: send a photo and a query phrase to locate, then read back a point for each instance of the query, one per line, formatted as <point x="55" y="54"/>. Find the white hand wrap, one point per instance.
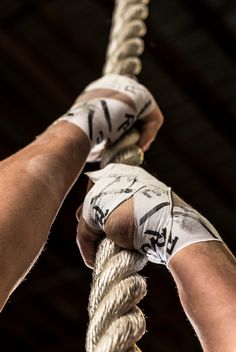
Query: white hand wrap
<point x="161" y="230"/>
<point x="106" y="119"/>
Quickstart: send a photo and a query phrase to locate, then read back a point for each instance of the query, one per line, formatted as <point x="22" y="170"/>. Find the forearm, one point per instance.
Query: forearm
<point x="33" y="184"/>
<point x="205" y="274"/>
<point x="168" y="231"/>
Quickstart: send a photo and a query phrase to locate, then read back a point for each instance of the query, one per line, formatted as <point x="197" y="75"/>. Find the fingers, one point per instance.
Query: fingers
<point x="119" y="228"/>
<point x="87" y="239"/>
<point x="150" y="127"/>
<point x="78" y="213"/>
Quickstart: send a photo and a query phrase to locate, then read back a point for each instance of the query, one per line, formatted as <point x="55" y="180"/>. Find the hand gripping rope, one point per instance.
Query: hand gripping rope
<point x="116" y="323"/>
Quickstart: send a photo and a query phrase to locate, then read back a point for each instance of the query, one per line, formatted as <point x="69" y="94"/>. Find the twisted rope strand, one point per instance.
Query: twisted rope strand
<point x="116" y="323"/>
<point x="118" y="267"/>
<point x="126" y="44"/>
<point x="125" y="151"/>
<point x="115" y="291"/>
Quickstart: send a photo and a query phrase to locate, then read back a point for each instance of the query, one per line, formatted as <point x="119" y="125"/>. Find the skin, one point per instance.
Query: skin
<point x="204" y="273"/>
<point x="207" y="291"/>
<point x="33" y="185"/>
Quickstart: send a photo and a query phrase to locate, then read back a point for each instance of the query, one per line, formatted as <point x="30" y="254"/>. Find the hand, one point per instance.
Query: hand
<point x="137" y="211"/>
<point x="109" y="107"/>
<point x="119" y="228"/>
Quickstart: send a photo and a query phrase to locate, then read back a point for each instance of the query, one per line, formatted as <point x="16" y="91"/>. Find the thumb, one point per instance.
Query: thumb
<point x="119" y="226"/>
<point x="87" y="240"/>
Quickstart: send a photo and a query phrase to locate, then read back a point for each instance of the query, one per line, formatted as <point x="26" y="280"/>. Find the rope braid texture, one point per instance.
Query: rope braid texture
<point x="116" y="323"/>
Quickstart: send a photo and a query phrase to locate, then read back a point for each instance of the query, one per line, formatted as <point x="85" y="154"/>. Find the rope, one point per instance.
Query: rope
<point x="116" y="322"/>
<point x="125" y="43"/>
<point x="124" y="151"/>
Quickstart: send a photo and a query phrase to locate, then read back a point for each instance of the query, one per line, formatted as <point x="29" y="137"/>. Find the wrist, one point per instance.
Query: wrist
<point x="67" y="136"/>
<point x="108" y="108"/>
<point x="103" y="120"/>
<point x="188" y="228"/>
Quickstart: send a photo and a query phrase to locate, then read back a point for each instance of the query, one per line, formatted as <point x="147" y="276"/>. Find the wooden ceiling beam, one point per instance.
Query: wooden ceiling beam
<point x="178" y="68"/>
<point x="72" y="39"/>
<point x="183" y="73"/>
<point x="31" y="68"/>
<point x="25" y="10"/>
<point x="214" y="22"/>
<point x="48" y="12"/>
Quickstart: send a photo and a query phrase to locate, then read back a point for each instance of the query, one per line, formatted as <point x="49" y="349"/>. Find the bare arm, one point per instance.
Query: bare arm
<point x="203" y="268"/>
<point x="33" y="184"/>
<point x="205" y="274"/>
<point x="34" y="181"/>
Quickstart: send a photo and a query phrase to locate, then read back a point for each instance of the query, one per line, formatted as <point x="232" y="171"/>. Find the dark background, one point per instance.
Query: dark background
<point x="49" y="51"/>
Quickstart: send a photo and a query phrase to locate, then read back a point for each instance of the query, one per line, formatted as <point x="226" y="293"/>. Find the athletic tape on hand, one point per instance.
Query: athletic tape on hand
<point x="161" y="229"/>
<point x="113" y="185"/>
<point x="143" y="100"/>
<point x="189" y="227"/>
<point x="102" y="120"/>
<point x="106" y="119"/>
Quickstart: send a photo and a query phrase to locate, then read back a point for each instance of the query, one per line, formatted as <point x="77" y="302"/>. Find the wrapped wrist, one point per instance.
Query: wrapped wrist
<point x="170" y="230"/>
<point x="96" y="118"/>
<point x="105" y="119"/>
<point x="161" y="229"/>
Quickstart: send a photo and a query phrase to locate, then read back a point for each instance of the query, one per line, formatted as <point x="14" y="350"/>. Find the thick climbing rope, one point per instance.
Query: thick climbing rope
<point x="116" y="322"/>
